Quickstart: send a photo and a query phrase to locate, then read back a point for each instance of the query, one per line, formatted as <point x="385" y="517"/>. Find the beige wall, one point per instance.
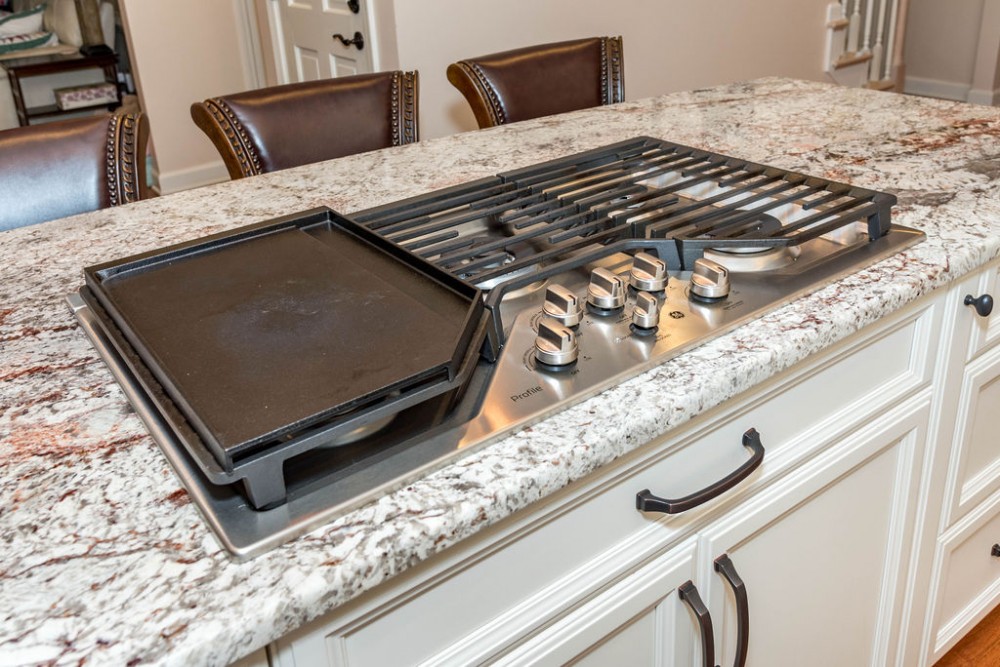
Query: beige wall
<point x="188" y="50"/>
<point x="953" y="49"/>
<point x="670" y="45"/>
<point x="184" y="51"/>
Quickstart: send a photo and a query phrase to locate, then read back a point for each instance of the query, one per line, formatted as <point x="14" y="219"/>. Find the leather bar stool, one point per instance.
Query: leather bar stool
<point x="541" y="80"/>
<point x="62" y="168"/>
<point x="286" y="126"/>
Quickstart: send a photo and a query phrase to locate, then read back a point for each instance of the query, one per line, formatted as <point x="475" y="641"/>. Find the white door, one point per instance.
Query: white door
<point x="305" y="44"/>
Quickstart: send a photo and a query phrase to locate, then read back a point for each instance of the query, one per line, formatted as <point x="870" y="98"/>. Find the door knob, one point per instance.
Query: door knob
<point x="358" y="41"/>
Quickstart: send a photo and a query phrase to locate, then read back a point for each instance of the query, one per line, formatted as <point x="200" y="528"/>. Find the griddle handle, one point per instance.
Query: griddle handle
<point x="647" y="502"/>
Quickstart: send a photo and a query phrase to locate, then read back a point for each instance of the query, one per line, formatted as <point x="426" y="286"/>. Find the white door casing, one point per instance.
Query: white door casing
<point x="304" y="47"/>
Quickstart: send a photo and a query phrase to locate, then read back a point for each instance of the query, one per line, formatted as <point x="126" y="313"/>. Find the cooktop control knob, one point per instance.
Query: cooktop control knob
<point x="648" y="273"/>
<point x="562" y="305"/>
<point x="646" y="314"/>
<point x="709" y="280"/>
<point x="555" y="344"/>
<point x="606" y="290"/>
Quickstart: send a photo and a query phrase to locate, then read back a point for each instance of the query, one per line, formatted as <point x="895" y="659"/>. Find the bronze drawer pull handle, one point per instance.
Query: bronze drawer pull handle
<point x="724" y="566"/>
<point x="689" y="594"/>
<point x="647" y="502"/>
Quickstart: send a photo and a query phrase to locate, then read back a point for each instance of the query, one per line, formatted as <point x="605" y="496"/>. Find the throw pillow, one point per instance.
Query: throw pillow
<point x="60" y="18"/>
<point x="22" y="23"/>
<point x="21" y="42"/>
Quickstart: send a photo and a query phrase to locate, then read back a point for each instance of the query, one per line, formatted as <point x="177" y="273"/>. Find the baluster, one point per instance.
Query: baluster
<point x="845" y="12"/>
<point x="891" y="40"/>
<point x="836" y="34"/>
<point x="878" y="49"/>
<point x="866" y="44"/>
<point x="854" y="29"/>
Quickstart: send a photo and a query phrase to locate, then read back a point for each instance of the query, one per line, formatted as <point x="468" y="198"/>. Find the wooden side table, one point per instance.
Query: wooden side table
<point x="23" y="68"/>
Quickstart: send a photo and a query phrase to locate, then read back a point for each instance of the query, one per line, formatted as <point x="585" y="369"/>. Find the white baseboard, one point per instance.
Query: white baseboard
<point x="192" y="177"/>
<point x="981" y="96"/>
<point x="947" y="90"/>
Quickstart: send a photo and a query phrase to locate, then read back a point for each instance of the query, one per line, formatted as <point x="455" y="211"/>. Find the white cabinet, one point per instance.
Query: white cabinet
<point x="821" y="533"/>
<point x="977" y="460"/>
<point x="256" y="659"/>
<point x="640" y="621"/>
<point x="985" y="330"/>
<point x="865" y="537"/>
<point x="962" y="517"/>
<point x="821" y="558"/>
<point x="969" y="581"/>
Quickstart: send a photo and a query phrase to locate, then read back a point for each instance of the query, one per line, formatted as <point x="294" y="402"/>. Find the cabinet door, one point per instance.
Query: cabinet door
<point x="969" y="583"/>
<point x="823" y="553"/>
<point x="641" y="621"/>
<point x="985" y="328"/>
<point x="976" y="471"/>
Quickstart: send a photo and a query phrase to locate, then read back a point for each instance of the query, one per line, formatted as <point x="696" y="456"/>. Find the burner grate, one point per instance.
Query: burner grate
<point x="638" y="189"/>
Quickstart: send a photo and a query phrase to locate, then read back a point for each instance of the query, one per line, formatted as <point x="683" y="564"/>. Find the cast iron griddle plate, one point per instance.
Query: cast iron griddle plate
<point x="263" y="336"/>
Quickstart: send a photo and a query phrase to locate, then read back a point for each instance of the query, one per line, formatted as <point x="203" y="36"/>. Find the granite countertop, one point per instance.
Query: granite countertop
<point x="104" y="558"/>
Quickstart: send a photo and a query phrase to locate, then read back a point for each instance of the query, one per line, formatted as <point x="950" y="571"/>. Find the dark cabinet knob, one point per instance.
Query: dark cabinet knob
<point x="354" y="6"/>
<point x="995" y="551"/>
<point x="983" y="304"/>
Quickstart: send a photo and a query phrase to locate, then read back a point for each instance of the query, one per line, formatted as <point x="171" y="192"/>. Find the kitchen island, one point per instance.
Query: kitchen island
<point x="105" y="560"/>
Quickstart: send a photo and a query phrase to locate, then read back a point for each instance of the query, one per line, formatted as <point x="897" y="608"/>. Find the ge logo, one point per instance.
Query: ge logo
<point x="676" y="314"/>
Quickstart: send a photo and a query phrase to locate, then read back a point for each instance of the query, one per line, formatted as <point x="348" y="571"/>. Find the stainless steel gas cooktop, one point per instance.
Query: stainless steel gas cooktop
<point x="298" y="368"/>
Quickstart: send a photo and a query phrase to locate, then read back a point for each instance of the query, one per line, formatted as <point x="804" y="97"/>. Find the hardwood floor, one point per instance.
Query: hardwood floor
<point x="980" y="648"/>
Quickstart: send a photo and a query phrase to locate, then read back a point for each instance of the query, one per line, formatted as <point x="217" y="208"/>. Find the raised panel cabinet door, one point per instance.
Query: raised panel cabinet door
<point x="256" y="659"/>
<point x="823" y="553"/>
<point x="977" y="468"/>
<point x="968" y="587"/>
<point x="979" y="299"/>
<point x="641" y="621"/>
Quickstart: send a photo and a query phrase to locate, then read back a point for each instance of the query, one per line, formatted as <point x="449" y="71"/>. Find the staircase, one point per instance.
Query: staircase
<point x="864" y="43"/>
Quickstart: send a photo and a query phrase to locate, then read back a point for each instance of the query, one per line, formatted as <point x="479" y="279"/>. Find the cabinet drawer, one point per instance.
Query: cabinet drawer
<point x="985" y="330"/>
<point x="977" y="468"/>
<point x="519" y="576"/>
<point x="626" y="625"/>
<point x="969" y="586"/>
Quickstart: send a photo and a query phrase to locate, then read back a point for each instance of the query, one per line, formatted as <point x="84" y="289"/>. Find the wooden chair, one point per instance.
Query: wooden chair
<point x="286" y="126"/>
<point x="541" y="80"/>
<point x="62" y="168"/>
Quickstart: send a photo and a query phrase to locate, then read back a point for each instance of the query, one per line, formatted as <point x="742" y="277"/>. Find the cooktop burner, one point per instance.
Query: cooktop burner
<point x="638" y="189"/>
<point x="575" y="274"/>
